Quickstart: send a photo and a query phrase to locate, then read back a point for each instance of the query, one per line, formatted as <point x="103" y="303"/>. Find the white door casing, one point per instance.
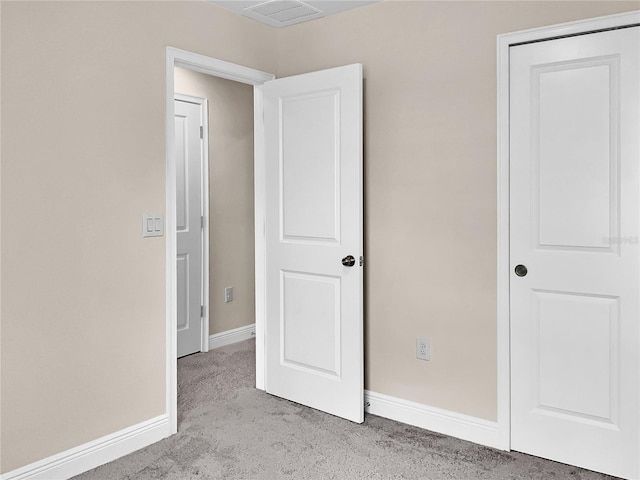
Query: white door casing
<point x="574" y="223"/>
<point x="189" y="195"/>
<point x="242" y="74"/>
<point x="314" y="304"/>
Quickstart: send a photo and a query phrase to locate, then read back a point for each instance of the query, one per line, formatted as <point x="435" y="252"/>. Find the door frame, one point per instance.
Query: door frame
<point x="503" y="264"/>
<point x="176" y="57"/>
<point x="204" y="211"/>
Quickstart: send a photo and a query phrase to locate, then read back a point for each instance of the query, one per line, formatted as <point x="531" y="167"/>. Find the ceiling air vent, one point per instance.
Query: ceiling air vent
<point x="284" y="11"/>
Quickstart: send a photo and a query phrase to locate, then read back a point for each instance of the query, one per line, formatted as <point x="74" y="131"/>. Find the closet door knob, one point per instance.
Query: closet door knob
<point x="521" y="270"/>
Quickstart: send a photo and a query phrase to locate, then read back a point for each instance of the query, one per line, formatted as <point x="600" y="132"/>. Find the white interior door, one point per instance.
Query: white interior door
<point x="574" y="110"/>
<point x="188" y="120"/>
<point x="314" y="331"/>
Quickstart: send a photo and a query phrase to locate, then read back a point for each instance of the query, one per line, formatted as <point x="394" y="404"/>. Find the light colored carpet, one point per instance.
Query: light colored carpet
<point x="230" y="430"/>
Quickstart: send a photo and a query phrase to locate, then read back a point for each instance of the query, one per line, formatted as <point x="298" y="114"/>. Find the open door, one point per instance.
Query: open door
<point x="189" y="234"/>
<point x="314" y="281"/>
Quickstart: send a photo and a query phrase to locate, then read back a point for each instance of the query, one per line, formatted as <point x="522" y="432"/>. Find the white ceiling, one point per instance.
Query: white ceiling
<point x="282" y="13"/>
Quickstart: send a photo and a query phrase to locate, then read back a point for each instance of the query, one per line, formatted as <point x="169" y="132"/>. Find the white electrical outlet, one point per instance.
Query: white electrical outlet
<point x="423" y="348"/>
<point x="228" y="294"/>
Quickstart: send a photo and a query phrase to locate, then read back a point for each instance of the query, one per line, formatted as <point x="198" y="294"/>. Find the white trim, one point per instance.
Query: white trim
<point x="204" y="212"/>
<point x="503" y="353"/>
<point x="503" y="265"/>
<point x="171" y="243"/>
<point x="218" y="68"/>
<point x="235" y="335"/>
<point x="259" y="195"/>
<point x="205" y="231"/>
<point x="473" y="429"/>
<point x="238" y="73"/>
<point x="95" y="453"/>
<point x="570" y="28"/>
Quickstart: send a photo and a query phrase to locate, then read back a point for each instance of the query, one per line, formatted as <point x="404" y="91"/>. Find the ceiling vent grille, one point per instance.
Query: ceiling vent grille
<point x="284" y="11"/>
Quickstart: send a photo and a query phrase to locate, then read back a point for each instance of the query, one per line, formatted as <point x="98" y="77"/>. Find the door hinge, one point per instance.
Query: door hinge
<point x="203" y="221"/>
<point x="361" y="261"/>
<point x="201" y="131"/>
<point x="203" y="311"/>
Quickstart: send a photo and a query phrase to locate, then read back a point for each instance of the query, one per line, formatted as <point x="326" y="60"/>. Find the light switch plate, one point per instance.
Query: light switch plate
<point x="152" y="225"/>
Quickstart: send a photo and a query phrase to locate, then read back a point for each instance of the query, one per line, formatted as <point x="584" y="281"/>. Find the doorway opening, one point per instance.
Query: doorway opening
<point x="229" y="71"/>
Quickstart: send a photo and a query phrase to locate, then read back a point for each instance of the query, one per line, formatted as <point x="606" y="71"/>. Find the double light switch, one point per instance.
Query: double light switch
<point x="152" y="225"/>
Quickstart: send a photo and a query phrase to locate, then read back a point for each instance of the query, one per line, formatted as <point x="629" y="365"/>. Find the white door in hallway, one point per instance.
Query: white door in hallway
<point x="574" y="225"/>
<point x="314" y="331"/>
<point x="189" y="155"/>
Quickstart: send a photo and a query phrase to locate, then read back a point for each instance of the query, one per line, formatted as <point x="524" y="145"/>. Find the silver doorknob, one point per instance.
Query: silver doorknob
<point x="349" y="261"/>
<point x="521" y="270"/>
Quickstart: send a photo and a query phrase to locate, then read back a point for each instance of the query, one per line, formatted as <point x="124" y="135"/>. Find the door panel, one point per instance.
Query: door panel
<point x="182" y="153"/>
<point x="183" y="291"/>
<point x="577" y="341"/>
<point x="314" y="333"/>
<point x="310" y="167"/>
<point x="189" y="231"/>
<point x="311" y="308"/>
<point x="574" y="220"/>
<point x="575" y="213"/>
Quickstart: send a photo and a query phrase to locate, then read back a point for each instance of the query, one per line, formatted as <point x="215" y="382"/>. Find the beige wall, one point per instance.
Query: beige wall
<point x="430" y="181"/>
<point x="231" y="231"/>
<point x="83" y="156"/>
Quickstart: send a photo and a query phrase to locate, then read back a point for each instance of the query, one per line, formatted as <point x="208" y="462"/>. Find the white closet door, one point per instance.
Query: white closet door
<point x="575" y="210"/>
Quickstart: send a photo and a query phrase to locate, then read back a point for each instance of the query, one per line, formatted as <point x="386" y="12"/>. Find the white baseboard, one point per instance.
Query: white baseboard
<point x="95" y="453"/>
<point x="232" y="336"/>
<point x="473" y="429"/>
